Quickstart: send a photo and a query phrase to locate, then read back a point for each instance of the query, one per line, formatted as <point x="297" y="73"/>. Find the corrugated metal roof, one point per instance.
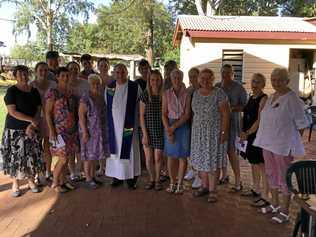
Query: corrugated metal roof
<point x="245" y="24"/>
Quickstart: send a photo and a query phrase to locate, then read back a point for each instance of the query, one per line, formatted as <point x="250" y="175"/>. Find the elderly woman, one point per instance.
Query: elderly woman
<point x="43" y="84"/>
<point x="77" y="87"/>
<point x="176" y="112"/>
<point x="93" y="134"/>
<point x="21" y="149"/>
<point x="209" y="133"/>
<point x="253" y="154"/>
<point x="279" y="135"/>
<point x="61" y="115"/>
<point x="152" y="128"/>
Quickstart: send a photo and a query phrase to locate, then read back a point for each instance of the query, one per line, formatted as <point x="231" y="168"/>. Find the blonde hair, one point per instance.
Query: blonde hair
<point x="94" y="77"/>
<point x="208" y="71"/>
<point x="259" y="76"/>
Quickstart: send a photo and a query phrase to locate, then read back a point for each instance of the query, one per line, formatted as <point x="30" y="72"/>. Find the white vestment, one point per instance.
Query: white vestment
<point x="123" y="168"/>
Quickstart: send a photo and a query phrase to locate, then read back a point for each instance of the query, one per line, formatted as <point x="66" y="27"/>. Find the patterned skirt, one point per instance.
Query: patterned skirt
<point x="22" y="156"/>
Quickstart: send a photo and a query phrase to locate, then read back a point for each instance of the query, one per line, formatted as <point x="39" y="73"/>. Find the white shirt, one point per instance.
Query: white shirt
<point x="279" y="125"/>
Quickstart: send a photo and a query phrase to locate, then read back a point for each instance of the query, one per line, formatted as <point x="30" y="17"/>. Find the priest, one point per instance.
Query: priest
<point x="121" y="97"/>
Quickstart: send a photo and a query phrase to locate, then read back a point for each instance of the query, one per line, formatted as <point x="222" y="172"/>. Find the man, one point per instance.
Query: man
<point x="121" y="98"/>
<point x="237" y="97"/>
<point x="86" y="62"/>
<point x="144" y="70"/>
<point x="53" y="64"/>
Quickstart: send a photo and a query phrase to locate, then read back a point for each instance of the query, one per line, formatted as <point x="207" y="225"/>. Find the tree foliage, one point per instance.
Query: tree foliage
<point x="299" y="8"/>
<point x="29" y="51"/>
<point x="125" y="27"/>
<point x="52" y="18"/>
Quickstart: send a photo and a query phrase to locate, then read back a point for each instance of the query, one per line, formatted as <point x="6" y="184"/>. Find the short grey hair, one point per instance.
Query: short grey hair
<point x="281" y="73"/>
<point x="176" y="72"/>
<point x="94" y="77"/>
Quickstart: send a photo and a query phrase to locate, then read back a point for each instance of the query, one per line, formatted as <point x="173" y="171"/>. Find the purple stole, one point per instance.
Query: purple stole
<point x="132" y="92"/>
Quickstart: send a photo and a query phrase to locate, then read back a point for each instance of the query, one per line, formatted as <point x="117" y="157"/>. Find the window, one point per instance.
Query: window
<point x="234" y="57"/>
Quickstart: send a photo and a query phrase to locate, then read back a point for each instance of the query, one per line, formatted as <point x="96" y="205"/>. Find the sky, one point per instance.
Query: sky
<point x="6" y="27"/>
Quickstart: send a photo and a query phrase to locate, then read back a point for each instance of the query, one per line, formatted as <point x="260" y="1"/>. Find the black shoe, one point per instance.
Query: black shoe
<point x="98" y="182"/>
<point x="116" y="182"/>
<point x="131" y="183"/>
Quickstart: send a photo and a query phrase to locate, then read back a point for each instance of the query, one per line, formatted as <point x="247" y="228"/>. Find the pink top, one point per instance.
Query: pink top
<point x="279" y="125"/>
<point x="176" y="104"/>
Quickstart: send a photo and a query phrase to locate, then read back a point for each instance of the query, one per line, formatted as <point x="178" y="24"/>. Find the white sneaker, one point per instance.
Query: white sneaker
<point x="197" y="182"/>
<point x="189" y="175"/>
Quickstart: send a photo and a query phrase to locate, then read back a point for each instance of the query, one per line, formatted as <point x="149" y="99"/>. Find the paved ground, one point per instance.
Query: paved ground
<point x="119" y="212"/>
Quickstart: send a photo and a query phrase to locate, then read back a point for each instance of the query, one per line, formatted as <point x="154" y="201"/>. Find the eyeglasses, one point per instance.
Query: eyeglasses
<point x="256" y="81"/>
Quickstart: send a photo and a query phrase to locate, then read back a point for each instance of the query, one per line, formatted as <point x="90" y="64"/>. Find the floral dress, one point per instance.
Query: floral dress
<point x="207" y="153"/>
<point x="64" y="119"/>
<point x="97" y="146"/>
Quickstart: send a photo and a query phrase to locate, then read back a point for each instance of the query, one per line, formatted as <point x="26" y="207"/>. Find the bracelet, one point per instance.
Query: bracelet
<point x="223" y="132"/>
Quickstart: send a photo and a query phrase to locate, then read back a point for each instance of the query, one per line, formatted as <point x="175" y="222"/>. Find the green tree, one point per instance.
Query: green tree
<point x="53" y="18"/>
<point x="30" y="51"/>
<point x="299" y="8"/>
<point x="226" y="7"/>
<point x="127" y="26"/>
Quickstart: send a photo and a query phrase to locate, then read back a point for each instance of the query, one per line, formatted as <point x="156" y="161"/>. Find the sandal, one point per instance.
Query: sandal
<point x="223" y="180"/>
<point x="158" y="186"/>
<point x="171" y="188"/>
<point x="150" y="185"/>
<point x="201" y="192"/>
<point x="269" y="209"/>
<point x="68" y="186"/>
<point x="260" y="202"/>
<point x="250" y="193"/>
<point x="236" y="189"/>
<point x="180" y="189"/>
<point x="59" y="189"/>
<point x="16" y="193"/>
<point x="212" y="197"/>
<point x="280" y="218"/>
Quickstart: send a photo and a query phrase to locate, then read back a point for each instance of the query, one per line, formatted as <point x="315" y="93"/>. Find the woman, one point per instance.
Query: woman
<point x="176" y="112"/>
<point x="43" y="84"/>
<point x="92" y="120"/>
<point x="104" y="67"/>
<point x="209" y="133"/>
<point x="78" y="87"/>
<point x="279" y="135"/>
<point x="168" y="68"/>
<point x="61" y="114"/>
<point x="21" y="149"/>
<point x="152" y="128"/>
<point x="250" y="124"/>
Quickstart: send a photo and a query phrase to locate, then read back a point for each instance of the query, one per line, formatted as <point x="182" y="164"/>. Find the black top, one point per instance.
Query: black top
<point x="25" y="102"/>
<point x="142" y="83"/>
<point x="251" y="112"/>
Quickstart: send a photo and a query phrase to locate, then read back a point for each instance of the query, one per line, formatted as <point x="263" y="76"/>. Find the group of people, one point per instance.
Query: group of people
<point x="105" y="124"/>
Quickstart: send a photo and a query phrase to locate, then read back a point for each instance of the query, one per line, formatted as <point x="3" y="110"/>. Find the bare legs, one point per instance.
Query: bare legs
<point x="153" y="163"/>
<point x="47" y="157"/>
<point x="59" y="172"/>
<point x="234" y="162"/>
<point x="89" y="169"/>
<point x="177" y="168"/>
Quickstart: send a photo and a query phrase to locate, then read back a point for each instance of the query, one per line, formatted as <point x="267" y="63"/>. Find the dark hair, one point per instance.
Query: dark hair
<point x="171" y="64"/>
<point x="73" y="62"/>
<point x="85" y="57"/>
<point x="21" y="68"/>
<point x="194" y="69"/>
<point x="52" y="55"/>
<point x="60" y="70"/>
<point x="228" y="66"/>
<point x="40" y="64"/>
<point x="156" y="72"/>
<point x="103" y="59"/>
<point x="143" y="63"/>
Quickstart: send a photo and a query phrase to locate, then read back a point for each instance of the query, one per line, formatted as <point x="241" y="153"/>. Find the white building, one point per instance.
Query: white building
<point x="251" y="44"/>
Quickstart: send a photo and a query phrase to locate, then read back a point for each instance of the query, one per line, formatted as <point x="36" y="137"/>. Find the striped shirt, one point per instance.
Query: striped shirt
<point x="176" y="104"/>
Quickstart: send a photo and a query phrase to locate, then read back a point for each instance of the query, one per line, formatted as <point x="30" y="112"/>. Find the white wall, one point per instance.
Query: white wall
<point x="257" y="57"/>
